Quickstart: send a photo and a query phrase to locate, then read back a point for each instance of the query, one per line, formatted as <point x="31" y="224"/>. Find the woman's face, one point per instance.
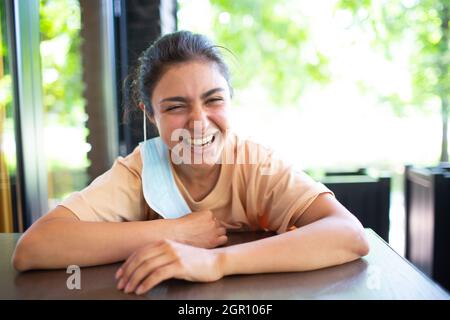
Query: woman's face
<point x="190" y="103"/>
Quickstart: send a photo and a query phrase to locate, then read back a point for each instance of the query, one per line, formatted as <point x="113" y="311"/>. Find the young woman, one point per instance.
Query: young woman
<point x="166" y="207"/>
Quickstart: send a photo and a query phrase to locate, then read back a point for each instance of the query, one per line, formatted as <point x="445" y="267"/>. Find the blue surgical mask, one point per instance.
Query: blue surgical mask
<point x="160" y="190"/>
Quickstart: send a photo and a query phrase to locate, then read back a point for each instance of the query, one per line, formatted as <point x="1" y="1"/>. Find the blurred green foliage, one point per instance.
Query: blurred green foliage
<point x="64" y="105"/>
<point x="61" y="62"/>
<point x="5" y="76"/>
<point x="426" y="22"/>
<point x="6" y="107"/>
<point x="421" y="21"/>
<point x="271" y="39"/>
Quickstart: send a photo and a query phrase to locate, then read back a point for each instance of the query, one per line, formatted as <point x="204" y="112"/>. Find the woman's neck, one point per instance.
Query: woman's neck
<point x="198" y="181"/>
<point x="196" y="174"/>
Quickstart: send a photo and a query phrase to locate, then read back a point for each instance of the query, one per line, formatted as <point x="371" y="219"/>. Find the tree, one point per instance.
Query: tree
<point x="271" y="39"/>
<point x="61" y="64"/>
<point x="427" y="23"/>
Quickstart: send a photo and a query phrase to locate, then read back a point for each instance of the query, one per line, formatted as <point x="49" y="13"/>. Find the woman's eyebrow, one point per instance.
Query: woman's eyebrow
<point x="183" y="99"/>
<point x="176" y="99"/>
<point x="210" y="92"/>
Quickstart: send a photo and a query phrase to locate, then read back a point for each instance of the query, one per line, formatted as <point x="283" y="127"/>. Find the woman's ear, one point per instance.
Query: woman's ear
<point x="151" y="118"/>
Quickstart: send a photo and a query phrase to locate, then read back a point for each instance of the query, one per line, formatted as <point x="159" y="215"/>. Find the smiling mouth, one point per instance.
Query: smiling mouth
<point x="201" y="142"/>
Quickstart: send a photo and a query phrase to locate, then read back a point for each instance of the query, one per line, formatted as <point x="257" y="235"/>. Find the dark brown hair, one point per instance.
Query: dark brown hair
<point x="173" y="48"/>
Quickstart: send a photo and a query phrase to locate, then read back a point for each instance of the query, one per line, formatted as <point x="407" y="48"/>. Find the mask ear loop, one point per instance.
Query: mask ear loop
<point x="144" y="124"/>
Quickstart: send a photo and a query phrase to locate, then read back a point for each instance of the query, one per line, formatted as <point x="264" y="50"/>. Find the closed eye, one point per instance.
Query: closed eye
<point x="171" y="108"/>
<point x="214" y="100"/>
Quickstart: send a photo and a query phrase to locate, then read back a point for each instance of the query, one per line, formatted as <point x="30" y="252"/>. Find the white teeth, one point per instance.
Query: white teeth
<point x="200" y="141"/>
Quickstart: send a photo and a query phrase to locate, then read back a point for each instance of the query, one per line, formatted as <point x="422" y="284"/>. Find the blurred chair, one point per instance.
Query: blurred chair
<point x="427" y="204"/>
<point x="359" y="172"/>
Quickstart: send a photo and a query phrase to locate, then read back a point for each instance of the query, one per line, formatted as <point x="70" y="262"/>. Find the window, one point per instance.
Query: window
<point x="64" y="106"/>
<point x="8" y="160"/>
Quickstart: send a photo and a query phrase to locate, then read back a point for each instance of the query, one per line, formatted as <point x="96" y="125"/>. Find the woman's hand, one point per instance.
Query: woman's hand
<point x="154" y="263"/>
<point x="200" y="229"/>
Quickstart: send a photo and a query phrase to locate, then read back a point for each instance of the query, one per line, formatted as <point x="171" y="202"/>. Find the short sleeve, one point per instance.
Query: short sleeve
<point x="114" y="196"/>
<point x="282" y="193"/>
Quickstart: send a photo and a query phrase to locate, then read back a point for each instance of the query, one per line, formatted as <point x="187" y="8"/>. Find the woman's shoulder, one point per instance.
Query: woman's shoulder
<point x="132" y="161"/>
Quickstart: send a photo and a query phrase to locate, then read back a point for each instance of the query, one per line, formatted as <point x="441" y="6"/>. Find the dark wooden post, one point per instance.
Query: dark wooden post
<point x="140" y="23"/>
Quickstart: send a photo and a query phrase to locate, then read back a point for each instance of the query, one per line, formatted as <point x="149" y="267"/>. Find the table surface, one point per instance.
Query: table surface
<point x="383" y="274"/>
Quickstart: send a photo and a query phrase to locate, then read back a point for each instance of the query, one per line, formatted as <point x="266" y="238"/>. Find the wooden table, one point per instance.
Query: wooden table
<point x="383" y="274"/>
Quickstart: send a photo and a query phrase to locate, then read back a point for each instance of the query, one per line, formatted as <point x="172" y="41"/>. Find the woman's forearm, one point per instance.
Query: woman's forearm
<point x="326" y="242"/>
<point x="61" y="242"/>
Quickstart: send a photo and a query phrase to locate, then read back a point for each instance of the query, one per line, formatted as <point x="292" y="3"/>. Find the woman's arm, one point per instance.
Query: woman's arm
<point x="327" y="235"/>
<point x="60" y="239"/>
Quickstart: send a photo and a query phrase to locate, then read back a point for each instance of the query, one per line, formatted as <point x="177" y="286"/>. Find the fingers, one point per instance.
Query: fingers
<point x="175" y="260"/>
<point x="222" y="240"/>
<point x="221" y="231"/>
<point x="134" y="261"/>
<point x="159" y="275"/>
<point x="119" y="272"/>
<point x="146" y="268"/>
<point x="221" y="237"/>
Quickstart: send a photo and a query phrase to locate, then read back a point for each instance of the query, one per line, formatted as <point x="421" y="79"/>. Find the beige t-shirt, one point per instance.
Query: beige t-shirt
<point x="249" y="195"/>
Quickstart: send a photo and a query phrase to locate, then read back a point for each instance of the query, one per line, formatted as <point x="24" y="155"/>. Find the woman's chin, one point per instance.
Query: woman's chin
<point x="205" y="159"/>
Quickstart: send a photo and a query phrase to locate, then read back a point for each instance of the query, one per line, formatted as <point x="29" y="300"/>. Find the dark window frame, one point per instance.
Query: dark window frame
<point x="23" y="26"/>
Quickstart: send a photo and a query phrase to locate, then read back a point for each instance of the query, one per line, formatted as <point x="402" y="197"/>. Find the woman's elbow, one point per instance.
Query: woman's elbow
<point x="19" y="262"/>
<point x="354" y="239"/>
<point x="360" y="243"/>
<point x="21" y="259"/>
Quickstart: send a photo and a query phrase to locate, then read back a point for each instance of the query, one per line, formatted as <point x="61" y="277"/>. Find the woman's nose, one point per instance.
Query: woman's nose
<point x="198" y="118"/>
